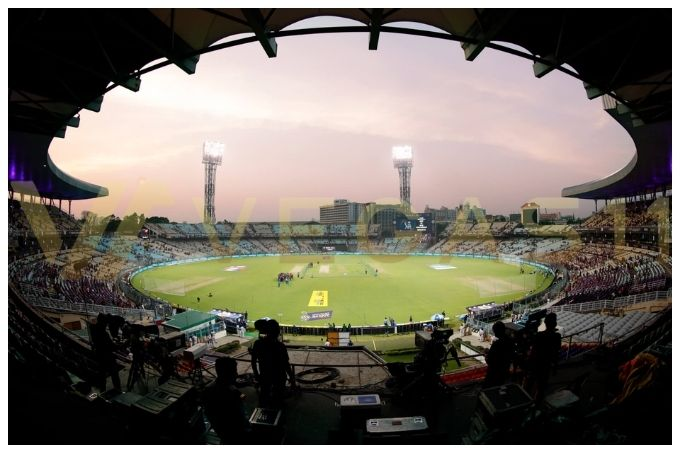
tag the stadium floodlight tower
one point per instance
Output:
(402, 156)
(212, 157)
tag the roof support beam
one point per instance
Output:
(132, 83)
(258, 24)
(224, 15)
(480, 35)
(541, 69)
(376, 21)
(546, 65)
(173, 54)
(95, 105)
(41, 115)
(476, 31)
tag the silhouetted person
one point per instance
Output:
(271, 366)
(543, 357)
(499, 357)
(255, 351)
(115, 324)
(104, 351)
(223, 404)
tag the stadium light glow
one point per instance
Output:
(213, 152)
(402, 153)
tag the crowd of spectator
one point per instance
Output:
(31, 218)
(85, 271)
(601, 271)
(637, 214)
(45, 279)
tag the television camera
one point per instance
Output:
(432, 357)
(423, 374)
(522, 333)
(150, 349)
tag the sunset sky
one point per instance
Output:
(318, 122)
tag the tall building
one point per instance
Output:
(442, 214)
(341, 211)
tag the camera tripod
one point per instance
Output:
(197, 372)
(136, 374)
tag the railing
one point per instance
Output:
(161, 308)
(445, 376)
(609, 304)
(60, 305)
(357, 330)
(480, 324)
(569, 340)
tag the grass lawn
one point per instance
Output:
(357, 289)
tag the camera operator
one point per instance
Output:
(224, 405)
(104, 347)
(543, 357)
(430, 360)
(499, 358)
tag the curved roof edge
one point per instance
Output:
(583, 190)
(649, 170)
(616, 60)
(46, 180)
(93, 190)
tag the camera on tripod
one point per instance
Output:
(522, 334)
(441, 336)
(534, 320)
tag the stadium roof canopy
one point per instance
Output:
(64, 60)
(188, 319)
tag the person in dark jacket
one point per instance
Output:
(223, 404)
(499, 357)
(543, 357)
(271, 366)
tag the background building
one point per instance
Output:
(442, 214)
(470, 213)
(341, 211)
(530, 213)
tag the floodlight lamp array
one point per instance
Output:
(212, 153)
(402, 155)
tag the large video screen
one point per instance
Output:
(421, 223)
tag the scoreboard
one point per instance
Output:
(419, 223)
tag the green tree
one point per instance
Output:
(156, 219)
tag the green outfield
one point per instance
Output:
(358, 289)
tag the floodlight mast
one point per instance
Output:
(212, 157)
(402, 156)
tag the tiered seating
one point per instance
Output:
(52, 280)
(599, 271)
(637, 214)
(31, 218)
(34, 340)
(615, 327)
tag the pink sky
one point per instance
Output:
(318, 122)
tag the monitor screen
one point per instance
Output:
(367, 399)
